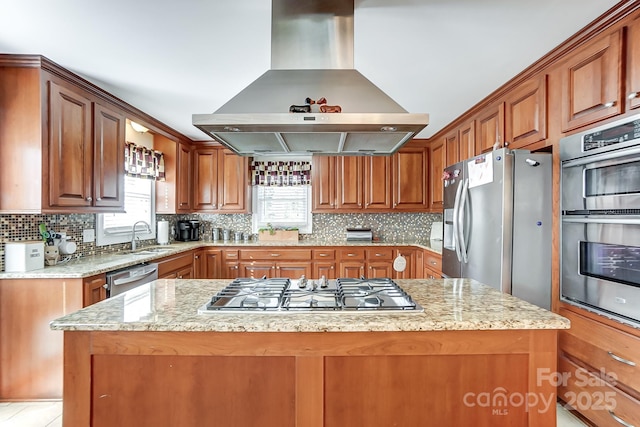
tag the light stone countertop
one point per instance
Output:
(92, 265)
(449, 304)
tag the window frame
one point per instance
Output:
(257, 221)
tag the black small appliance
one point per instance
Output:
(188, 230)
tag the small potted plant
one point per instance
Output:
(270, 233)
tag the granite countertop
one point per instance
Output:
(449, 304)
(92, 265)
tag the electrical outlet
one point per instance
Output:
(88, 235)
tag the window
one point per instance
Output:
(139, 197)
(288, 206)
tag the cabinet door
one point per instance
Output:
(490, 128)
(257, 269)
(591, 80)
(349, 184)
(199, 266)
(212, 264)
(410, 270)
(70, 148)
(451, 148)
(185, 273)
(351, 269)
(108, 162)
(232, 182)
(293, 270)
(166, 191)
(183, 179)
(230, 270)
(410, 179)
(324, 268)
(526, 113)
(633, 64)
(438, 159)
(467, 140)
(205, 179)
(377, 182)
(379, 269)
(323, 183)
(94, 289)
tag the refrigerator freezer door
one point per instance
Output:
(451, 184)
(487, 217)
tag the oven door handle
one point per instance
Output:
(602, 220)
(629, 151)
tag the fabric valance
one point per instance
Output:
(280, 173)
(142, 162)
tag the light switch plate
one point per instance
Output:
(88, 235)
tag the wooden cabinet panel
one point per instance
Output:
(183, 179)
(230, 269)
(94, 289)
(437, 154)
(410, 179)
(212, 264)
(205, 179)
(467, 140)
(323, 182)
(451, 148)
(591, 80)
(324, 268)
(166, 190)
(232, 182)
(275, 254)
(108, 176)
(293, 270)
(377, 182)
(379, 269)
(410, 256)
(379, 254)
(348, 254)
(526, 113)
(168, 267)
(257, 269)
(490, 128)
(633, 64)
(351, 269)
(70, 148)
(349, 184)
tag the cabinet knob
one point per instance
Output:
(331, 268)
(98, 198)
(105, 286)
(89, 198)
(235, 267)
(273, 268)
(359, 205)
(633, 95)
(395, 204)
(609, 104)
(197, 257)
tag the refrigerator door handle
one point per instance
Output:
(456, 231)
(461, 221)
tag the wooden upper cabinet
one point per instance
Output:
(467, 140)
(591, 83)
(205, 179)
(451, 148)
(323, 183)
(108, 176)
(70, 148)
(377, 182)
(349, 183)
(410, 179)
(437, 153)
(183, 179)
(526, 113)
(86, 152)
(166, 191)
(490, 128)
(633, 64)
(233, 180)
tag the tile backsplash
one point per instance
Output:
(396, 227)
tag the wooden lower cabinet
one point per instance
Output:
(94, 289)
(373, 379)
(177, 266)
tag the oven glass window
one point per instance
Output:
(612, 180)
(616, 263)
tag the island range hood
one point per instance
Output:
(311, 59)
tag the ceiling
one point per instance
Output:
(174, 58)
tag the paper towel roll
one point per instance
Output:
(163, 232)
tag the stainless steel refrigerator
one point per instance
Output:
(497, 222)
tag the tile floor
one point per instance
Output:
(49, 414)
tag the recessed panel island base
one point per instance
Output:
(473, 357)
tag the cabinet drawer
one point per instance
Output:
(230, 254)
(595, 398)
(432, 261)
(379, 254)
(351, 253)
(276, 254)
(323, 254)
(168, 265)
(603, 348)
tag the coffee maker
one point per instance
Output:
(188, 230)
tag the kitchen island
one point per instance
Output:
(473, 357)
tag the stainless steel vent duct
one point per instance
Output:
(311, 57)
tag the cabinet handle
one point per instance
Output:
(395, 204)
(89, 198)
(351, 254)
(98, 198)
(619, 420)
(331, 268)
(433, 262)
(277, 267)
(609, 104)
(235, 267)
(273, 268)
(359, 205)
(323, 254)
(370, 268)
(197, 257)
(633, 95)
(275, 254)
(620, 359)
(105, 286)
(379, 254)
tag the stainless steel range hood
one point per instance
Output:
(311, 57)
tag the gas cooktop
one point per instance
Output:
(281, 295)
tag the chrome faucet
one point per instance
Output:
(133, 233)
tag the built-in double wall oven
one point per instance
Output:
(600, 224)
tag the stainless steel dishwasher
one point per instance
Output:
(122, 280)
